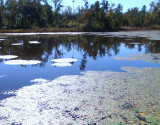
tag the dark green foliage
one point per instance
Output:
(141, 18)
(100, 16)
(1, 17)
(95, 18)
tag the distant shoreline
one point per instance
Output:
(75, 30)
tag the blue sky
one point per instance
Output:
(126, 3)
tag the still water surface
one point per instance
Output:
(94, 53)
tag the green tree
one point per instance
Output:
(2, 13)
(57, 6)
(118, 15)
(156, 14)
(143, 16)
(49, 14)
(86, 4)
(105, 5)
(12, 13)
(133, 16)
(111, 15)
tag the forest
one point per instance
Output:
(98, 16)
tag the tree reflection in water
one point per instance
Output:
(54, 45)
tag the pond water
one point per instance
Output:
(92, 52)
(80, 78)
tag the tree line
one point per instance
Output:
(99, 16)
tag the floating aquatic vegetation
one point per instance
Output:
(128, 39)
(93, 98)
(132, 37)
(22, 62)
(127, 106)
(17, 44)
(9, 92)
(47, 33)
(153, 58)
(152, 35)
(8, 57)
(34, 42)
(39, 80)
(64, 60)
(134, 43)
(61, 64)
(121, 36)
(109, 36)
(2, 39)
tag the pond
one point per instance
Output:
(51, 55)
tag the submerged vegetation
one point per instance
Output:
(98, 16)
